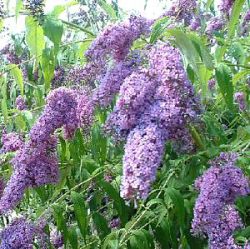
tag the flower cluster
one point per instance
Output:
(246, 23)
(211, 84)
(154, 105)
(20, 103)
(60, 111)
(135, 96)
(10, 55)
(59, 77)
(225, 6)
(143, 153)
(56, 239)
(182, 10)
(2, 12)
(240, 99)
(36, 8)
(215, 24)
(195, 24)
(11, 142)
(36, 163)
(112, 80)
(116, 40)
(214, 213)
(20, 234)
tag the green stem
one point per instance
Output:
(77, 27)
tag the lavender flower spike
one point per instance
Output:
(143, 154)
(219, 186)
(20, 234)
(20, 103)
(240, 99)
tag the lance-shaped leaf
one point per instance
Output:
(224, 79)
(48, 67)
(34, 37)
(80, 213)
(18, 76)
(53, 29)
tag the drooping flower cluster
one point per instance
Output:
(195, 24)
(60, 111)
(214, 213)
(36, 163)
(143, 153)
(112, 80)
(116, 40)
(215, 24)
(240, 99)
(36, 8)
(20, 234)
(20, 103)
(59, 77)
(56, 239)
(225, 6)
(182, 10)
(245, 27)
(10, 55)
(211, 84)
(2, 12)
(154, 105)
(11, 142)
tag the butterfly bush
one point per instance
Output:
(20, 103)
(21, 234)
(135, 95)
(56, 239)
(182, 10)
(11, 142)
(154, 105)
(245, 27)
(240, 99)
(195, 24)
(110, 83)
(36, 163)
(225, 6)
(115, 41)
(218, 187)
(215, 24)
(60, 111)
(143, 154)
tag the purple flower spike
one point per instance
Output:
(214, 214)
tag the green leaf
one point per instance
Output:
(108, 9)
(18, 76)
(202, 49)
(101, 225)
(19, 5)
(178, 202)
(60, 221)
(59, 9)
(73, 240)
(119, 203)
(20, 122)
(4, 109)
(186, 46)
(53, 29)
(48, 67)
(158, 28)
(34, 37)
(224, 79)
(235, 17)
(80, 213)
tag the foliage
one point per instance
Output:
(85, 205)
